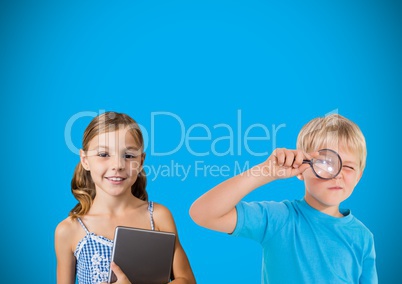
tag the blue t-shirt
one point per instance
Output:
(303, 245)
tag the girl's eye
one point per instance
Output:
(103, 155)
(130, 156)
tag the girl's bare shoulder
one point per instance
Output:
(67, 229)
(161, 209)
(164, 220)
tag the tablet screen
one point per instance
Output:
(145, 256)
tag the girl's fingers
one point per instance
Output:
(121, 277)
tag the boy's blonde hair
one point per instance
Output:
(332, 130)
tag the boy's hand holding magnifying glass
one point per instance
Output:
(286, 163)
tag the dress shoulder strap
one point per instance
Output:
(83, 226)
(151, 214)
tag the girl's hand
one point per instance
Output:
(121, 277)
(286, 163)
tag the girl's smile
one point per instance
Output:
(115, 179)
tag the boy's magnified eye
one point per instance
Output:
(324, 162)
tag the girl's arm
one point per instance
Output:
(216, 208)
(64, 254)
(182, 272)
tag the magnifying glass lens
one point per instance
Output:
(327, 165)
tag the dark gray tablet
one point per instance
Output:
(145, 256)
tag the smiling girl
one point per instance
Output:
(109, 183)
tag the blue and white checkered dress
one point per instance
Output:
(93, 255)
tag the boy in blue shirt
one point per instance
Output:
(310, 240)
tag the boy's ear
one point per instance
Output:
(359, 177)
(83, 160)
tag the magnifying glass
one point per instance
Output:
(327, 165)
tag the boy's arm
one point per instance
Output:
(369, 271)
(216, 208)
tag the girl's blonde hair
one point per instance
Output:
(82, 185)
(333, 130)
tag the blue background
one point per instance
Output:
(272, 62)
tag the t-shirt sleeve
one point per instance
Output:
(260, 220)
(369, 270)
